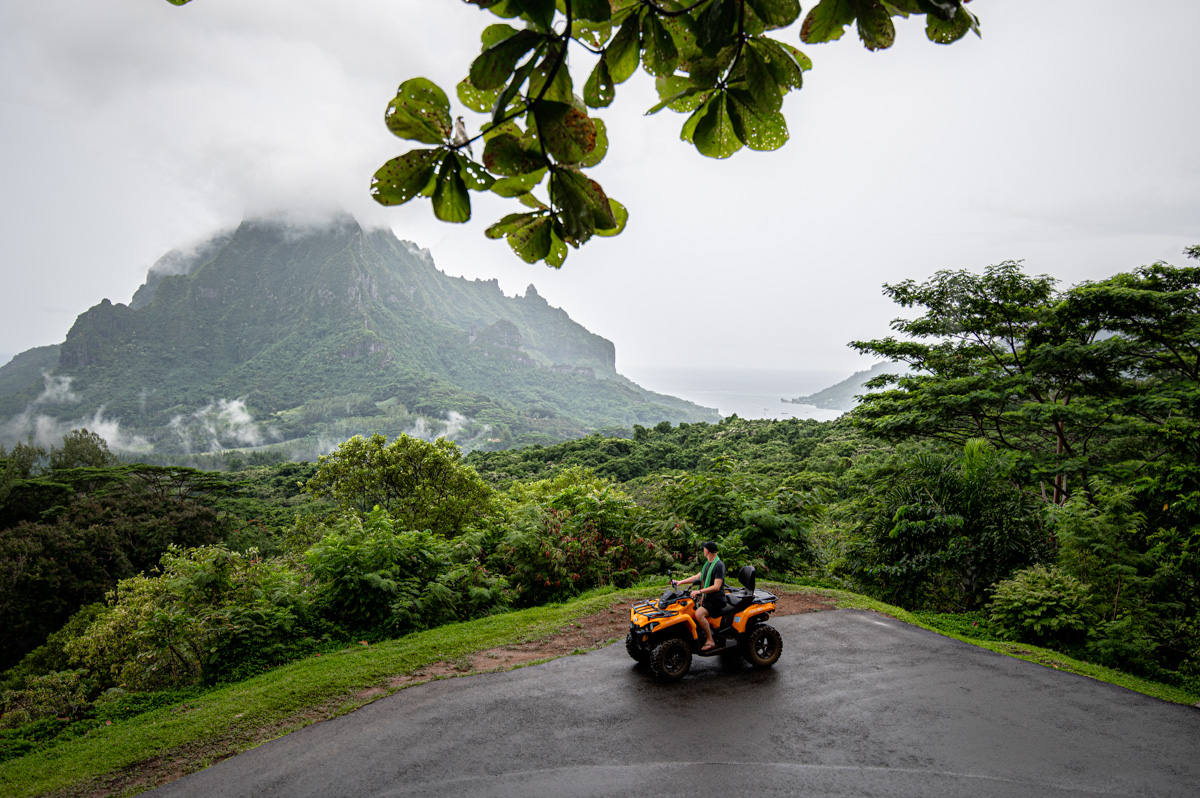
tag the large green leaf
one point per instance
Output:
(518, 185)
(505, 99)
(582, 205)
(594, 10)
(539, 12)
(677, 93)
(404, 177)
(451, 202)
(557, 255)
(620, 215)
(567, 133)
(775, 14)
(755, 127)
(473, 98)
(660, 56)
(787, 64)
(531, 241)
(510, 223)
(949, 32)
(601, 149)
(507, 154)
(493, 67)
(875, 26)
(760, 81)
(713, 133)
(599, 90)
(419, 111)
(717, 25)
(560, 88)
(474, 176)
(623, 52)
(827, 21)
(494, 34)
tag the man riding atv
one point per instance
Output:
(711, 579)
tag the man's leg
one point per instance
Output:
(702, 619)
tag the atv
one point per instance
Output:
(664, 633)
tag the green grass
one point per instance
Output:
(227, 720)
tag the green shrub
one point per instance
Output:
(1040, 605)
(372, 578)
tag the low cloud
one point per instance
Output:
(48, 432)
(223, 424)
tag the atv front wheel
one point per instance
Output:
(634, 650)
(764, 644)
(671, 659)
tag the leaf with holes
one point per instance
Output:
(716, 26)
(567, 133)
(623, 52)
(760, 81)
(531, 241)
(474, 176)
(945, 10)
(560, 88)
(451, 203)
(599, 90)
(787, 64)
(827, 21)
(592, 10)
(943, 32)
(517, 185)
(493, 66)
(775, 14)
(661, 55)
(754, 126)
(875, 26)
(601, 149)
(510, 223)
(677, 93)
(419, 111)
(404, 177)
(505, 100)
(473, 98)
(713, 133)
(507, 155)
(620, 215)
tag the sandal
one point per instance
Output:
(707, 647)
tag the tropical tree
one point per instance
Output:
(421, 485)
(711, 60)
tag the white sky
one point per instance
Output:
(1066, 137)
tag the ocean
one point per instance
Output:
(748, 392)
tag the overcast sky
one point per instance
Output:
(1065, 137)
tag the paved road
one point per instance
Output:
(859, 705)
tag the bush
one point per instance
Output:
(209, 609)
(1041, 605)
(372, 578)
(562, 536)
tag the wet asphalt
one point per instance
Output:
(858, 705)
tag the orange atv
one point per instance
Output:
(664, 634)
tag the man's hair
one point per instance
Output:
(708, 544)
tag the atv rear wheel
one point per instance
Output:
(671, 659)
(764, 644)
(641, 655)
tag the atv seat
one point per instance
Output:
(743, 597)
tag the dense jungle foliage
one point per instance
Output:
(1033, 477)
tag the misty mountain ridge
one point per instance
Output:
(844, 395)
(295, 339)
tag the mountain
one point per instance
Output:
(277, 338)
(842, 396)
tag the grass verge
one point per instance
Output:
(227, 720)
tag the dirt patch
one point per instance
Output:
(583, 634)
